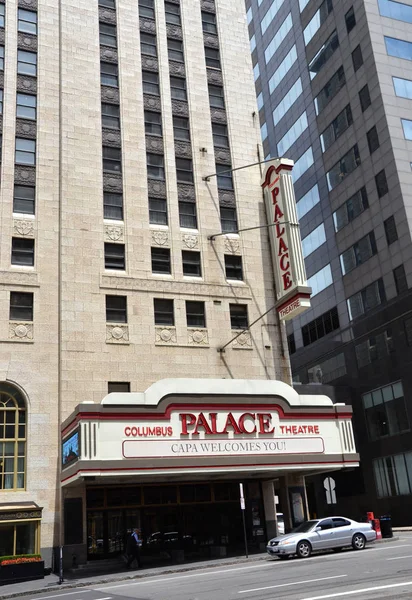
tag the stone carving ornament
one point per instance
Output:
(232, 246)
(21, 331)
(154, 144)
(190, 241)
(117, 334)
(160, 238)
(210, 40)
(222, 156)
(156, 188)
(174, 31)
(177, 68)
(2, 36)
(186, 192)
(108, 54)
(26, 84)
(150, 64)
(208, 6)
(111, 138)
(115, 233)
(152, 102)
(180, 108)
(214, 76)
(24, 174)
(218, 115)
(24, 228)
(107, 16)
(110, 94)
(244, 341)
(227, 198)
(197, 337)
(112, 182)
(147, 25)
(183, 149)
(26, 129)
(25, 41)
(165, 335)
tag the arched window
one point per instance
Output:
(12, 438)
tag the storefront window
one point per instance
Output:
(19, 538)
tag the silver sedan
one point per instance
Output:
(333, 533)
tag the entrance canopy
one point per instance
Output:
(210, 428)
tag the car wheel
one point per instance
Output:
(303, 549)
(358, 541)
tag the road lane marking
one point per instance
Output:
(68, 594)
(400, 557)
(271, 587)
(361, 591)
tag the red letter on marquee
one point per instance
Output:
(282, 262)
(231, 422)
(202, 423)
(242, 424)
(277, 213)
(187, 420)
(265, 422)
(287, 282)
(275, 194)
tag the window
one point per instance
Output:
(395, 10)
(181, 128)
(328, 370)
(220, 135)
(335, 83)
(107, 35)
(150, 83)
(408, 331)
(238, 316)
(326, 524)
(187, 215)
(27, 21)
(163, 312)
(2, 14)
(23, 200)
(303, 163)
(233, 267)
(155, 166)
(317, 20)
(175, 50)
(249, 15)
(112, 159)
(21, 306)
(158, 211)
(191, 263)
(161, 261)
(172, 12)
(152, 123)
(291, 343)
(1, 97)
(146, 9)
(284, 67)
(26, 106)
(107, 3)
(401, 282)
(374, 348)
(398, 48)
(195, 314)
(111, 115)
(290, 137)
(370, 297)
(114, 256)
(116, 309)
(1, 58)
(113, 206)
(393, 475)
(359, 253)
(350, 19)
(320, 280)
(148, 44)
(323, 325)
(354, 206)
(407, 129)
(381, 183)
(22, 252)
(308, 201)
(184, 170)
(109, 74)
(314, 240)
(385, 411)
(364, 98)
(390, 230)
(178, 88)
(373, 139)
(338, 126)
(340, 522)
(25, 152)
(323, 54)
(403, 87)
(264, 131)
(302, 4)
(357, 58)
(270, 14)
(228, 220)
(291, 96)
(118, 386)
(26, 63)
(209, 22)
(348, 163)
(216, 96)
(13, 460)
(224, 177)
(212, 58)
(278, 38)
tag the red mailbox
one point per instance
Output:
(376, 524)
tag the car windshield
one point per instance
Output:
(304, 527)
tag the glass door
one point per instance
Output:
(95, 534)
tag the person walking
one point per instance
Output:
(134, 543)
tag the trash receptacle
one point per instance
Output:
(386, 526)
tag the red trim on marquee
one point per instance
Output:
(276, 169)
(292, 299)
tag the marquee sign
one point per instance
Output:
(292, 291)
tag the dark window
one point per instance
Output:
(339, 522)
(161, 260)
(146, 9)
(22, 252)
(2, 14)
(148, 44)
(150, 83)
(172, 12)
(338, 126)
(1, 96)
(107, 3)
(212, 58)
(381, 183)
(191, 263)
(364, 98)
(209, 22)
(367, 299)
(238, 316)
(25, 152)
(112, 159)
(408, 330)
(153, 123)
(385, 411)
(107, 35)
(27, 21)
(390, 230)
(401, 282)
(181, 128)
(178, 88)
(23, 201)
(111, 115)
(359, 253)
(346, 165)
(21, 306)
(113, 206)
(224, 177)
(1, 58)
(357, 58)
(175, 50)
(155, 166)
(109, 74)
(114, 256)
(195, 314)
(354, 206)
(187, 215)
(323, 54)
(163, 312)
(184, 170)
(373, 139)
(158, 211)
(228, 220)
(216, 96)
(220, 135)
(116, 309)
(318, 328)
(326, 524)
(350, 20)
(118, 386)
(329, 91)
(233, 267)
(26, 106)
(291, 343)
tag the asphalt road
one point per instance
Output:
(379, 571)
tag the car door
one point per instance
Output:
(343, 531)
(325, 535)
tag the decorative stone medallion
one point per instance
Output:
(160, 238)
(197, 337)
(24, 228)
(190, 241)
(165, 335)
(117, 333)
(21, 331)
(232, 246)
(243, 342)
(115, 233)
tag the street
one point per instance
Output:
(379, 571)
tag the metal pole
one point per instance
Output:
(222, 349)
(61, 565)
(215, 235)
(261, 162)
(242, 508)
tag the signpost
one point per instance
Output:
(243, 508)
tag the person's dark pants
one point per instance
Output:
(135, 555)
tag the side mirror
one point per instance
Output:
(318, 528)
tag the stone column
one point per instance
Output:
(269, 505)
